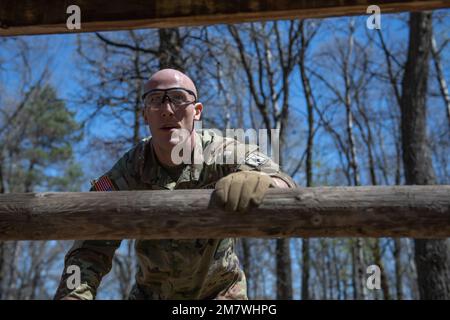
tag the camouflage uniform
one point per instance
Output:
(172, 269)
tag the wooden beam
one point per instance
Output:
(394, 211)
(22, 17)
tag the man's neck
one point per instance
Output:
(164, 155)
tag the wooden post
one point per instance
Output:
(50, 16)
(380, 211)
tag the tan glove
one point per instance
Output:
(239, 190)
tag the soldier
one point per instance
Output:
(178, 269)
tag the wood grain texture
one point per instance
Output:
(380, 211)
(49, 16)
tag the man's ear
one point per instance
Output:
(198, 108)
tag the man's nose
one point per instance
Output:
(166, 108)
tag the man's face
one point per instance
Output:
(168, 121)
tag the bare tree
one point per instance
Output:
(435, 51)
(271, 99)
(431, 256)
(307, 34)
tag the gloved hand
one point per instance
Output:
(237, 190)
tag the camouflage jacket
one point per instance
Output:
(172, 269)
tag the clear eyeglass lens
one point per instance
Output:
(177, 97)
(153, 98)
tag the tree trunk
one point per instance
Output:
(431, 256)
(398, 268)
(284, 276)
(441, 78)
(170, 46)
(307, 91)
(377, 256)
(2, 181)
(359, 292)
(138, 89)
(2, 254)
(357, 251)
(2, 245)
(305, 269)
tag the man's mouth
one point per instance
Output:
(170, 127)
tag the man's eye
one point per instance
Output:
(177, 98)
(154, 98)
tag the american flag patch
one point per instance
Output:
(103, 184)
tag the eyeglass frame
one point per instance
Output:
(166, 95)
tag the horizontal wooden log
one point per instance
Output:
(381, 211)
(49, 16)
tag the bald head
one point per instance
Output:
(169, 78)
